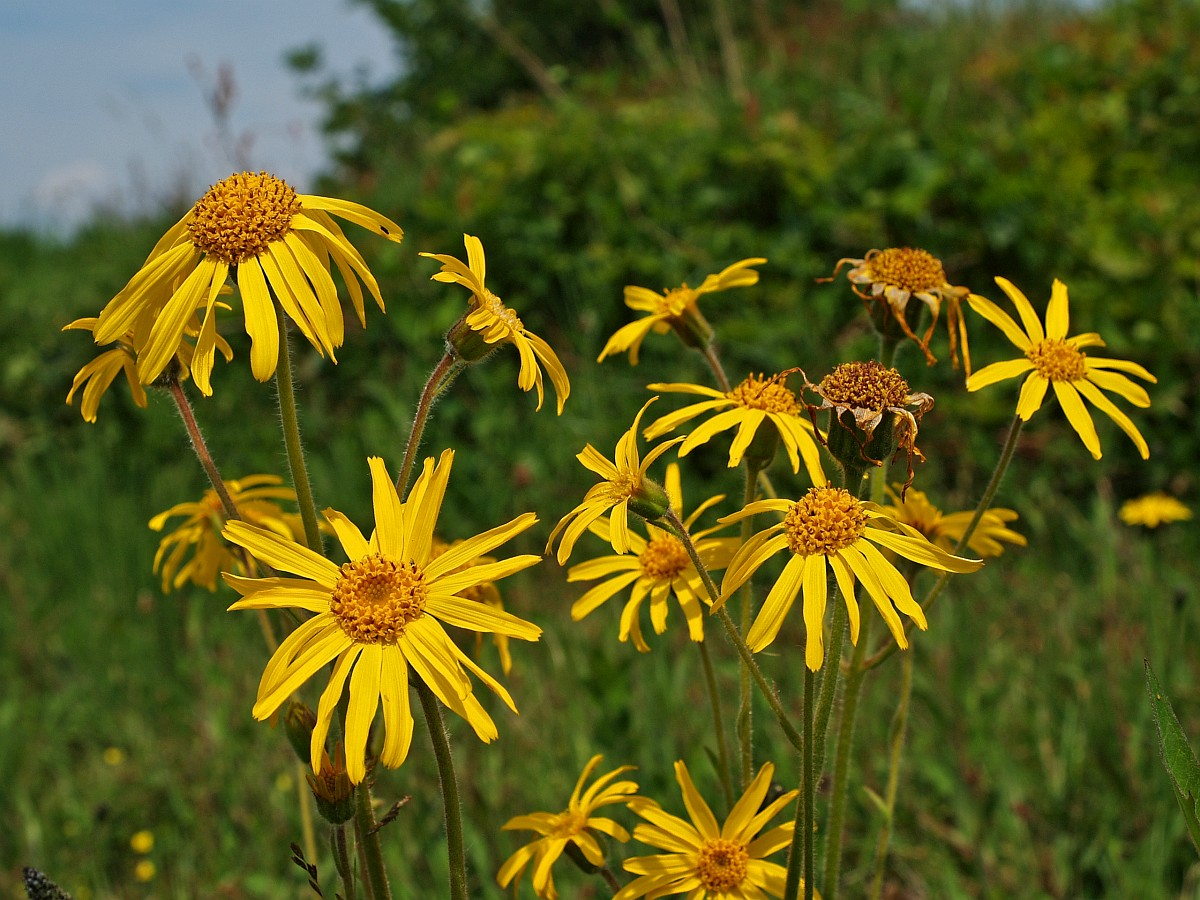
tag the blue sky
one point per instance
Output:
(100, 105)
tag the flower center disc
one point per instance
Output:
(722, 865)
(496, 307)
(907, 268)
(376, 597)
(676, 301)
(767, 394)
(242, 214)
(864, 385)
(1057, 361)
(663, 558)
(568, 824)
(825, 520)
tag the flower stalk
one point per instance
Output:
(290, 422)
(451, 805)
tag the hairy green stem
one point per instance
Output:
(451, 805)
(200, 446)
(899, 730)
(341, 859)
(831, 677)
(800, 854)
(718, 370)
(375, 878)
(439, 379)
(290, 421)
(714, 696)
(745, 715)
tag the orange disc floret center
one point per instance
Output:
(496, 307)
(376, 597)
(676, 301)
(622, 486)
(825, 520)
(767, 394)
(864, 385)
(241, 215)
(663, 558)
(1056, 360)
(723, 864)
(567, 824)
(907, 268)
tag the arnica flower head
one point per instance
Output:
(657, 567)
(568, 829)
(200, 535)
(765, 413)
(829, 528)
(887, 279)
(625, 489)
(1152, 510)
(705, 858)
(676, 309)
(485, 592)
(381, 613)
(1052, 358)
(946, 529)
(279, 246)
(491, 322)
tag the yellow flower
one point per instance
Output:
(895, 275)
(142, 841)
(675, 308)
(751, 404)
(571, 826)
(495, 323)
(487, 593)
(200, 532)
(1152, 510)
(277, 242)
(625, 488)
(828, 528)
(380, 613)
(946, 529)
(656, 568)
(144, 870)
(1052, 358)
(723, 861)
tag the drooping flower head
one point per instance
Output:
(625, 489)
(657, 567)
(568, 830)
(676, 309)
(279, 244)
(380, 614)
(491, 322)
(1153, 509)
(829, 528)
(887, 279)
(946, 529)
(1052, 358)
(705, 858)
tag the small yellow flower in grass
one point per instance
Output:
(487, 593)
(492, 322)
(1052, 358)
(893, 276)
(113, 756)
(568, 830)
(144, 870)
(676, 309)
(381, 613)
(1152, 510)
(142, 841)
(277, 242)
(254, 496)
(625, 489)
(757, 406)
(946, 529)
(828, 528)
(657, 567)
(724, 861)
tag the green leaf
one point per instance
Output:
(1177, 756)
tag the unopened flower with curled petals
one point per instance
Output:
(625, 489)
(380, 614)
(278, 243)
(567, 830)
(1153, 509)
(676, 309)
(912, 508)
(1053, 359)
(829, 528)
(491, 322)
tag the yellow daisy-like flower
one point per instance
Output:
(897, 274)
(946, 529)
(1052, 358)
(199, 534)
(676, 309)
(571, 826)
(485, 592)
(277, 242)
(381, 613)
(493, 322)
(1152, 510)
(625, 488)
(829, 528)
(751, 404)
(724, 861)
(657, 567)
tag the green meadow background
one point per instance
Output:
(591, 148)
